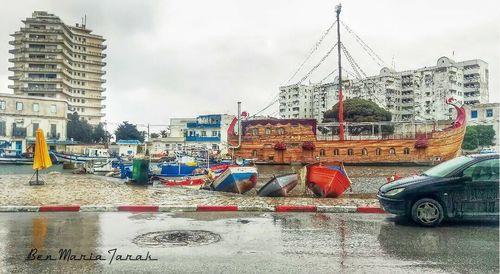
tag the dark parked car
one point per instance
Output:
(462, 188)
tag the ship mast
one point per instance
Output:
(341, 101)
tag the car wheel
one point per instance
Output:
(427, 212)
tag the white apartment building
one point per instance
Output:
(410, 95)
(55, 60)
(21, 116)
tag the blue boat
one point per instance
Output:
(236, 180)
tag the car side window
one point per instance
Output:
(485, 171)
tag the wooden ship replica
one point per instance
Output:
(287, 141)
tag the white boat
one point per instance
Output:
(94, 159)
(236, 180)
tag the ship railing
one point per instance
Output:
(381, 130)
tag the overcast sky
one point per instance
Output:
(184, 58)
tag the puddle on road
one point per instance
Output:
(173, 238)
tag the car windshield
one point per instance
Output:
(445, 168)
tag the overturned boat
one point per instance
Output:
(279, 186)
(327, 180)
(236, 180)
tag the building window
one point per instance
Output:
(322, 152)
(254, 153)
(364, 151)
(53, 131)
(378, 151)
(255, 131)
(35, 127)
(473, 114)
(268, 131)
(350, 152)
(392, 151)
(280, 131)
(36, 107)
(489, 113)
(336, 151)
(2, 105)
(203, 133)
(215, 147)
(19, 106)
(214, 133)
(2, 128)
(406, 150)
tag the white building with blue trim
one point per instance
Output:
(209, 132)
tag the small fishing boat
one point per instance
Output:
(91, 154)
(327, 180)
(279, 186)
(236, 180)
(12, 156)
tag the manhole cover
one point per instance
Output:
(176, 238)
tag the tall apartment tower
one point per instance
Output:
(55, 60)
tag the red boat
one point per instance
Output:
(327, 180)
(195, 182)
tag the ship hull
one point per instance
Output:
(439, 146)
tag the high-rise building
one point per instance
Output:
(409, 95)
(52, 59)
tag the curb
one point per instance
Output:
(208, 208)
(192, 208)
(58, 208)
(370, 210)
(296, 208)
(138, 208)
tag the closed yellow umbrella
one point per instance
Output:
(41, 159)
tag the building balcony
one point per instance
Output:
(202, 139)
(34, 30)
(27, 59)
(53, 136)
(41, 89)
(36, 40)
(41, 79)
(37, 50)
(200, 125)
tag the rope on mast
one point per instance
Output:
(365, 46)
(318, 64)
(329, 74)
(268, 106)
(353, 63)
(314, 48)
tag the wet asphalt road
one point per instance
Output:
(245, 243)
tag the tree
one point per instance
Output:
(154, 135)
(99, 134)
(127, 131)
(164, 134)
(478, 136)
(79, 129)
(360, 110)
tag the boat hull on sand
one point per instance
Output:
(327, 180)
(236, 180)
(279, 186)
